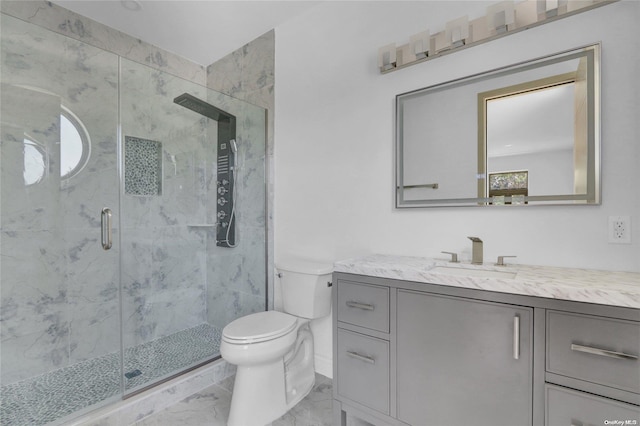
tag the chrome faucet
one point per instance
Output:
(476, 252)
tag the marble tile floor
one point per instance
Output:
(210, 407)
(54, 395)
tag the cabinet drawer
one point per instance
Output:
(595, 349)
(364, 305)
(363, 370)
(566, 407)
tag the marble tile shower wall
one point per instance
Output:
(174, 276)
(55, 18)
(236, 276)
(248, 73)
(50, 238)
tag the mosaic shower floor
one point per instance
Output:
(46, 398)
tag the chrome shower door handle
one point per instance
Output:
(106, 228)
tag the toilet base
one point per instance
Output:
(258, 395)
(263, 393)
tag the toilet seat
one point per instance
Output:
(259, 327)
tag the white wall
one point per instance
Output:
(334, 166)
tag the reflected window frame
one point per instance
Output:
(34, 147)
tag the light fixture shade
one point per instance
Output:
(501, 16)
(526, 13)
(550, 8)
(387, 57)
(457, 31)
(420, 44)
(479, 29)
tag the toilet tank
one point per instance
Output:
(305, 289)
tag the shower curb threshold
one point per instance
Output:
(128, 411)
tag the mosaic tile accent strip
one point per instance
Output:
(142, 166)
(55, 395)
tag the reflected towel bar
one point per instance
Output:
(425, 185)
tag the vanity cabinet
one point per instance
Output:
(463, 361)
(411, 353)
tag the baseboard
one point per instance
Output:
(324, 365)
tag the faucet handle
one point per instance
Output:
(475, 239)
(501, 260)
(454, 256)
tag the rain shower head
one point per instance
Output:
(203, 108)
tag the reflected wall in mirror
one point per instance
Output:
(520, 135)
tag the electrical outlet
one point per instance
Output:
(620, 229)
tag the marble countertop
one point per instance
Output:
(580, 285)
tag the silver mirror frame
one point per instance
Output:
(593, 193)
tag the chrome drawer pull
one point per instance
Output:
(359, 357)
(602, 352)
(359, 305)
(516, 337)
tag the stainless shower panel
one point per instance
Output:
(203, 108)
(226, 163)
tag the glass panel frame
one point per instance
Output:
(412, 191)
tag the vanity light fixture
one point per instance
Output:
(501, 17)
(420, 44)
(387, 57)
(457, 32)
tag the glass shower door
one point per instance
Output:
(83, 130)
(59, 304)
(165, 156)
(180, 288)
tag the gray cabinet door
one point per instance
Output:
(363, 369)
(457, 361)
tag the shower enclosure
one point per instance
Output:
(110, 272)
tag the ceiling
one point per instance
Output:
(202, 31)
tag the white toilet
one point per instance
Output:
(273, 351)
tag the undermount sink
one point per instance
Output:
(468, 272)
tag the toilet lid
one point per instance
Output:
(259, 327)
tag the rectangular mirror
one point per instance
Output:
(522, 135)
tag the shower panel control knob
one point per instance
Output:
(222, 201)
(222, 215)
(222, 190)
